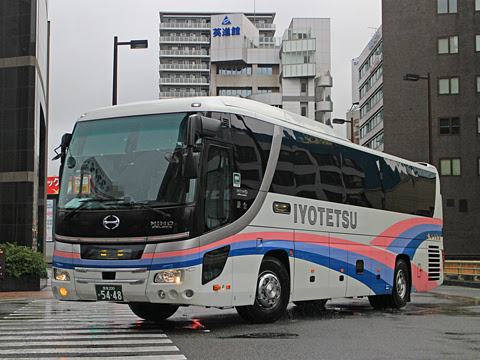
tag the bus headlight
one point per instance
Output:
(61, 275)
(169, 276)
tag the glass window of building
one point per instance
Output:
(477, 42)
(478, 83)
(448, 86)
(450, 167)
(304, 109)
(449, 126)
(446, 6)
(477, 5)
(478, 124)
(448, 45)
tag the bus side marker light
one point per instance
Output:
(378, 270)
(228, 287)
(341, 270)
(216, 287)
(291, 252)
(312, 271)
(63, 291)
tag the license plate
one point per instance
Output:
(109, 292)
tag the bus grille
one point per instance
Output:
(434, 263)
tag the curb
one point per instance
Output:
(463, 283)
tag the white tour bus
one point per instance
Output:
(222, 201)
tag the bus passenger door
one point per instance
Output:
(217, 212)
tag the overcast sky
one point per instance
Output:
(81, 65)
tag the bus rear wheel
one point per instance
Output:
(272, 293)
(152, 311)
(401, 285)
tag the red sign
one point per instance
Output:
(52, 185)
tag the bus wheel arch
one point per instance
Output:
(272, 293)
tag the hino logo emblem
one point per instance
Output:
(111, 222)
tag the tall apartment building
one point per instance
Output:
(439, 43)
(237, 54)
(367, 84)
(24, 39)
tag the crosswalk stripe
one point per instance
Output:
(48, 329)
(91, 342)
(89, 350)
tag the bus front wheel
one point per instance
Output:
(271, 295)
(152, 311)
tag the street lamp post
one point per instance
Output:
(134, 44)
(416, 77)
(343, 121)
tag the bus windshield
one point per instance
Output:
(127, 160)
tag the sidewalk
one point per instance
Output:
(45, 293)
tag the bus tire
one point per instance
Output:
(152, 311)
(271, 295)
(401, 285)
(379, 302)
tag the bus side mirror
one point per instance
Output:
(200, 126)
(65, 143)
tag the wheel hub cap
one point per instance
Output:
(269, 290)
(401, 284)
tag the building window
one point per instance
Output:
(477, 5)
(477, 42)
(303, 86)
(448, 86)
(449, 126)
(478, 83)
(450, 167)
(463, 205)
(304, 109)
(446, 6)
(478, 124)
(478, 166)
(448, 45)
(264, 70)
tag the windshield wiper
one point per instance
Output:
(148, 207)
(87, 201)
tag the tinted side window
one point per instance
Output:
(361, 176)
(252, 140)
(408, 189)
(320, 169)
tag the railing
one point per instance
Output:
(462, 270)
(170, 94)
(184, 67)
(265, 26)
(203, 39)
(184, 81)
(184, 25)
(184, 52)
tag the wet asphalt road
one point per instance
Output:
(443, 324)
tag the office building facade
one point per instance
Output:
(238, 54)
(24, 43)
(367, 85)
(437, 43)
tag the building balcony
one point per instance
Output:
(265, 26)
(184, 81)
(192, 53)
(181, 94)
(191, 25)
(184, 67)
(324, 106)
(185, 39)
(324, 80)
(299, 70)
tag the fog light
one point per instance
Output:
(61, 275)
(169, 277)
(63, 291)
